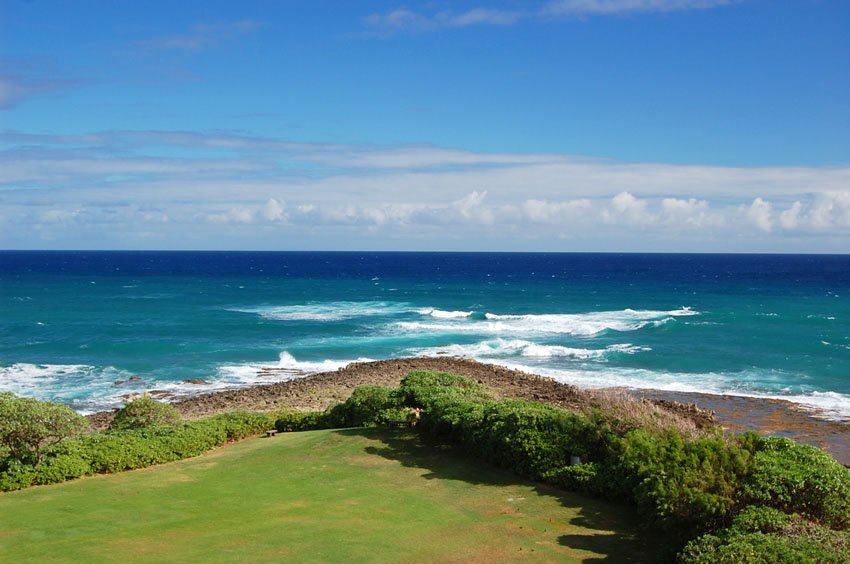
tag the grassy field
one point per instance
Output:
(352, 495)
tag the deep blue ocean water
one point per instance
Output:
(73, 323)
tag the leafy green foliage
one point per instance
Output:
(143, 413)
(364, 407)
(115, 451)
(421, 388)
(686, 486)
(801, 479)
(689, 486)
(764, 534)
(28, 427)
(288, 421)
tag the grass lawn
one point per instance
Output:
(353, 495)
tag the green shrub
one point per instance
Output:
(287, 421)
(802, 479)
(143, 413)
(394, 414)
(764, 534)
(16, 476)
(423, 387)
(29, 427)
(119, 450)
(364, 406)
(760, 519)
(688, 486)
(531, 438)
(578, 478)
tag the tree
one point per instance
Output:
(29, 426)
(145, 412)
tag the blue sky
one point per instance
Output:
(575, 125)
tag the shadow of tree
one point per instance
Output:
(627, 543)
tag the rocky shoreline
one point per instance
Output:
(698, 411)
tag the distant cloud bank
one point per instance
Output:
(120, 189)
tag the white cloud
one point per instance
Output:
(273, 210)
(607, 7)
(790, 218)
(689, 213)
(543, 211)
(830, 210)
(104, 187)
(402, 19)
(626, 209)
(759, 213)
(472, 207)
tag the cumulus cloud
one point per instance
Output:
(106, 186)
(689, 213)
(790, 218)
(759, 213)
(543, 211)
(626, 209)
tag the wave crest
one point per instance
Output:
(574, 324)
(324, 311)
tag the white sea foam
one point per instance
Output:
(576, 324)
(324, 311)
(286, 368)
(822, 404)
(518, 347)
(441, 314)
(83, 387)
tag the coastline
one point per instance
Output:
(314, 392)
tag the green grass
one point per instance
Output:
(351, 495)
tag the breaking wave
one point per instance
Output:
(574, 324)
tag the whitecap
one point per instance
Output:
(286, 368)
(85, 388)
(324, 311)
(518, 347)
(575, 324)
(828, 405)
(442, 314)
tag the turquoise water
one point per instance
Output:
(74, 323)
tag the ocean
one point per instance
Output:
(76, 326)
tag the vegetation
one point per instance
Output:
(361, 495)
(145, 413)
(28, 428)
(745, 498)
(115, 451)
(700, 490)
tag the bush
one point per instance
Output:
(764, 534)
(803, 479)
(364, 406)
(28, 427)
(287, 421)
(144, 413)
(115, 451)
(423, 387)
(394, 414)
(688, 486)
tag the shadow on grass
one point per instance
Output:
(627, 542)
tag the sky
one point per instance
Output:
(550, 125)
